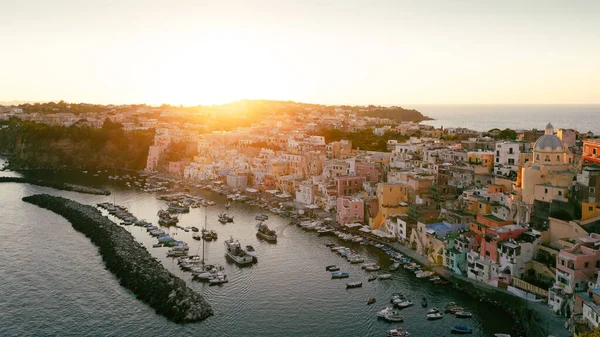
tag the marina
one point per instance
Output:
(274, 277)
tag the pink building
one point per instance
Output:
(493, 236)
(371, 171)
(350, 210)
(177, 167)
(576, 265)
(349, 185)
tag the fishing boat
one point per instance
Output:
(461, 329)
(350, 285)
(206, 235)
(340, 275)
(463, 314)
(234, 250)
(371, 300)
(501, 335)
(224, 218)
(265, 233)
(386, 311)
(435, 316)
(424, 274)
(166, 219)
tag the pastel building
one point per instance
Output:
(577, 265)
(349, 185)
(350, 210)
(455, 252)
(591, 151)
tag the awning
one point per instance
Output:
(382, 234)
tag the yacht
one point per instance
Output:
(234, 250)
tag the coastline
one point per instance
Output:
(131, 263)
(58, 186)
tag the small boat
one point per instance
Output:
(434, 316)
(340, 275)
(394, 318)
(332, 267)
(371, 300)
(501, 335)
(395, 266)
(453, 310)
(435, 279)
(424, 302)
(403, 304)
(424, 274)
(463, 314)
(156, 245)
(386, 311)
(461, 329)
(372, 278)
(218, 278)
(350, 285)
(250, 250)
(265, 233)
(384, 276)
(194, 229)
(261, 217)
(397, 332)
(433, 310)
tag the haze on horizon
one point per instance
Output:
(330, 52)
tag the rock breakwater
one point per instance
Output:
(58, 186)
(131, 263)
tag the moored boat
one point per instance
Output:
(332, 267)
(434, 316)
(250, 250)
(394, 317)
(403, 304)
(372, 278)
(463, 314)
(386, 311)
(397, 332)
(340, 275)
(265, 233)
(384, 276)
(234, 250)
(433, 310)
(371, 300)
(461, 329)
(357, 284)
(395, 266)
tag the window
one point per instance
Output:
(558, 158)
(591, 208)
(592, 190)
(511, 161)
(497, 160)
(537, 157)
(497, 153)
(559, 193)
(510, 151)
(586, 265)
(594, 151)
(546, 190)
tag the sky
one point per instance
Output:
(319, 51)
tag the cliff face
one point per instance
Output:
(40, 146)
(131, 263)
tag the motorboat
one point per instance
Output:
(332, 267)
(218, 278)
(424, 274)
(265, 233)
(353, 285)
(384, 276)
(194, 229)
(461, 329)
(371, 300)
(433, 310)
(501, 335)
(196, 236)
(372, 278)
(397, 332)
(206, 235)
(395, 266)
(394, 317)
(224, 218)
(261, 217)
(340, 275)
(404, 304)
(374, 267)
(234, 250)
(454, 310)
(435, 316)
(463, 314)
(386, 311)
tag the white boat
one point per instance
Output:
(433, 310)
(250, 250)
(386, 311)
(394, 317)
(434, 316)
(397, 332)
(218, 278)
(395, 266)
(234, 250)
(501, 335)
(404, 304)
(424, 274)
(463, 314)
(384, 276)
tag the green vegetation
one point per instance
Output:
(506, 134)
(363, 139)
(40, 146)
(396, 113)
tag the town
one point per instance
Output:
(518, 210)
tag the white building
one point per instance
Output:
(506, 158)
(396, 227)
(306, 192)
(591, 314)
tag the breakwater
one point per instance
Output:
(58, 186)
(131, 263)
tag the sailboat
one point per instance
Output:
(208, 272)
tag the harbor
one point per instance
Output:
(289, 276)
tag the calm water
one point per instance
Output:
(54, 281)
(582, 117)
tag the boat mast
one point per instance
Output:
(205, 216)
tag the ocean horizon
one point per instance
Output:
(483, 117)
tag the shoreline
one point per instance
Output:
(129, 262)
(58, 186)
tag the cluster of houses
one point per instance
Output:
(521, 215)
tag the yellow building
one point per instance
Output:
(483, 158)
(550, 172)
(391, 199)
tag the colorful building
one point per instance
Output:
(350, 210)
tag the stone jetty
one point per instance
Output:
(58, 186)
(130, 262)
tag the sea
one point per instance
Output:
(54, 282)
(581, 117)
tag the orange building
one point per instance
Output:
(591, 151)
(482, 222)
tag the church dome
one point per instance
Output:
(549, 143)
